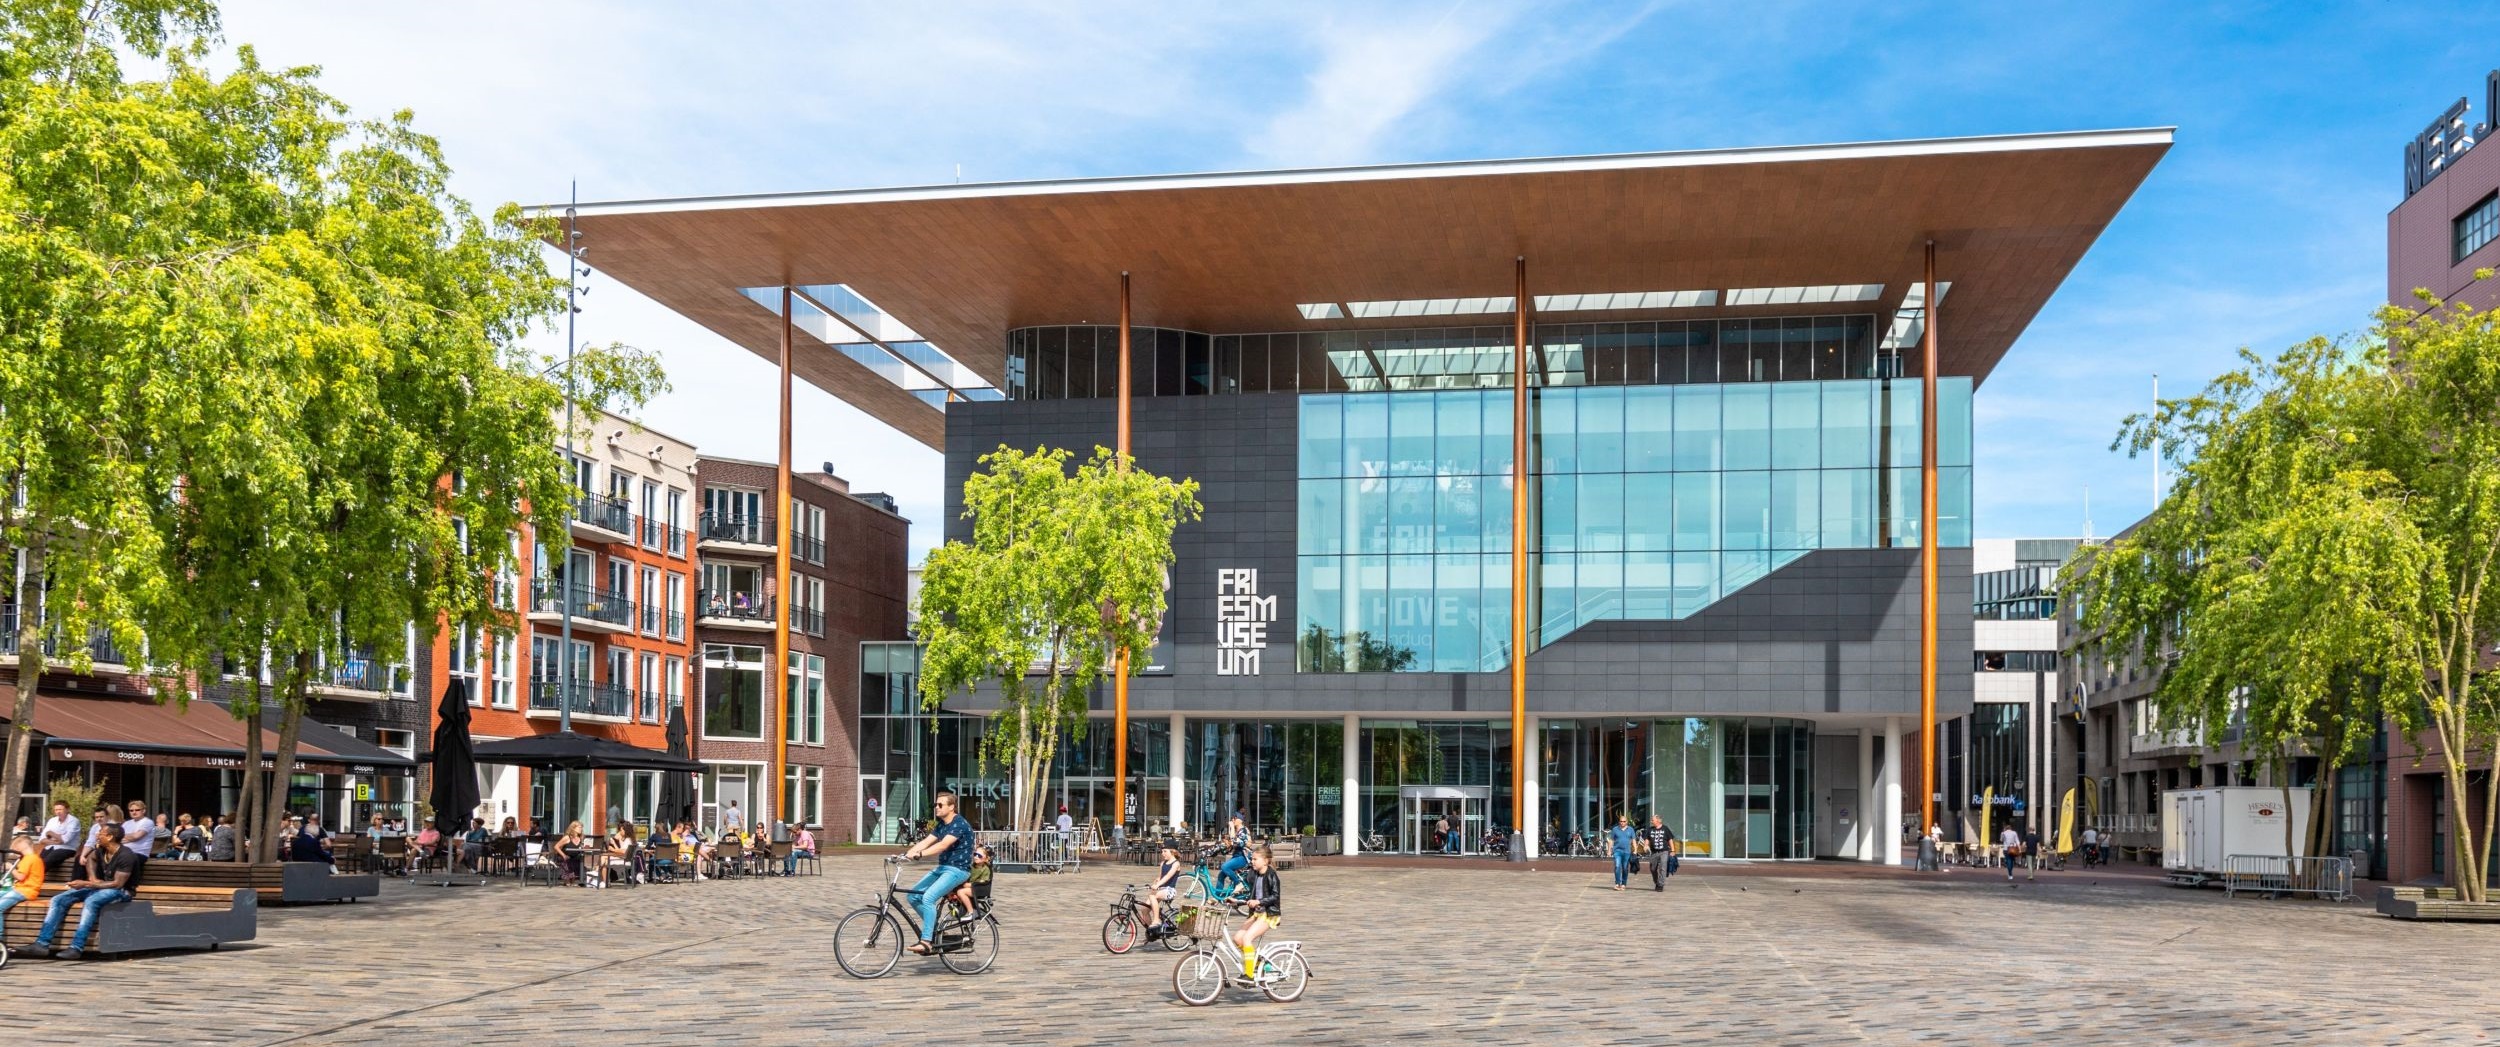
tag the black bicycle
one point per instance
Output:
(1128, 923)
(869, 941)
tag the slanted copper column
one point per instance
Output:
(1119, 665)
(1927, 587)
(1519, 740)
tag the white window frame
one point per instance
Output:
(647, 695)
(729, 659)
(507, 671)
(677, 521)
(650, 506)
(647, 605)
(675, 624)
(676, 683)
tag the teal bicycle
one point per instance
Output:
(1198, 886)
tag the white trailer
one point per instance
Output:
(2200, 828)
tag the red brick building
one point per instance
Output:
(847, 585)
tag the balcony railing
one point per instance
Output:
(589, 699)
(729, 527)
(607, 514)
(99, 646)
(808, 547)
(807, 620)
(742, 606)
(676, 541)
(651, 616)
(598, 605)
(676, 626)
(360, 671)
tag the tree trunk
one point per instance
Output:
(14, 762)
(290, 730)
(252, 841)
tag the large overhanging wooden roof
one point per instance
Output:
(963, 264)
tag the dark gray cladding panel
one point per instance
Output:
(1834, 632)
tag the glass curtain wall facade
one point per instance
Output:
(1283, 776)
(1729, 787)
(1651, 502)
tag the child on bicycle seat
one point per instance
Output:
(1266, 906)
(980, 875)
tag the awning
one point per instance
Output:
(572, 751)
(203, 734)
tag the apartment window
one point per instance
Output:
(2477, 226)
(676, 606)
(507, 672)
(650, 514)
(465, 662)
(583, 471)
(508, 578)
(647, 697)
(733, 691)
(732, 514)
(803, 793)
(807, 532)
(403, 671)
(676, 684)
(621, 578)
(676, 522)
(620, 486)
(803, 716)
(652, 610)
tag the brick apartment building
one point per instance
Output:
(847, 585)
(626, 583)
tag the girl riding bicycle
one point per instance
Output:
(1165, 888)
(1265, 907)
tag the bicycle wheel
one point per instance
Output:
(1287, 976)
(1119, 933)
(867, 943)
(1199, 978)
(969, 949)
(1178, 942)
(1193, 891)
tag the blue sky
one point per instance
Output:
(2266, 224)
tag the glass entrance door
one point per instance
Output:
(872, 823)
(1425, 809)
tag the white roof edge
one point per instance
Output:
(1386, 172)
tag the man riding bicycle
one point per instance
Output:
(951, 842)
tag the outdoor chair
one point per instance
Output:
(503, 855)
(535, 861)
(778, 859)
(619, 871)
(728, 859)
(812, 864)
(394, 855)
(661, 862)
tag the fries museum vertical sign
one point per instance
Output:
(1241, 620)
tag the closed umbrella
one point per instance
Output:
(677, 787)
(454, 795)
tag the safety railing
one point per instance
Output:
(2275, 875)
(1044, 850)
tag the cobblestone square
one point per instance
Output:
(1792, 954)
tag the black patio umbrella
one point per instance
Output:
(676, 799)
(573, 751)
(454, 795)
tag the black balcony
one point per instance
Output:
(598, 605)
(359, 670)
(735, 606)
(807, 620)
(588, 699)
(613, 515)
(808, 548)
(740, 529)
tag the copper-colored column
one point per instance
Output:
(1519, 740)
(781, 583)
(1119, 662)
(1928, 594)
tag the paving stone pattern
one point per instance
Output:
(1401, 955)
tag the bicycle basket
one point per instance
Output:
(1201, 924)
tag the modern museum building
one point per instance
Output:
(1702, 549)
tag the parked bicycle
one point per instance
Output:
(869, 941)
(1278, 970)
(1128, 923)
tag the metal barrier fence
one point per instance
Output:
(2323, 877)
(1046, 850)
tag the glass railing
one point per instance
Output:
(728, 527)
(606, 514)
(598, 605)
(753, 607)
(588, 699)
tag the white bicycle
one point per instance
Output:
(1202, 975)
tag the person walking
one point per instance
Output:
(2031, 853)
(2010, 844)
(1621, 836)
(1661, 841)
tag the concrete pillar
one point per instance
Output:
(1865, 843)
(1350, 800)
(1533, 829)
(1179, 767)
(1885, 826)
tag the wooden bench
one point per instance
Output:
(166, 916)
(1288, 853)
(278, 883)
(2434, 903)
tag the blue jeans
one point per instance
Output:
(932, 889)
(790, 862)
(1449, 842)
(1623, 867)
(95, 897)
(9, 899)
(1229, 877)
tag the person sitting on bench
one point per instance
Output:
(111, 873)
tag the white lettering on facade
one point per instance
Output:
(1241, 620)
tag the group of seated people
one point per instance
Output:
(150, 836)
(625, 853)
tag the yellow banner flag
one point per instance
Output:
(2066, 824)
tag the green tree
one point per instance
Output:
(307, 381)
(1062, 570)
(2321, 562)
